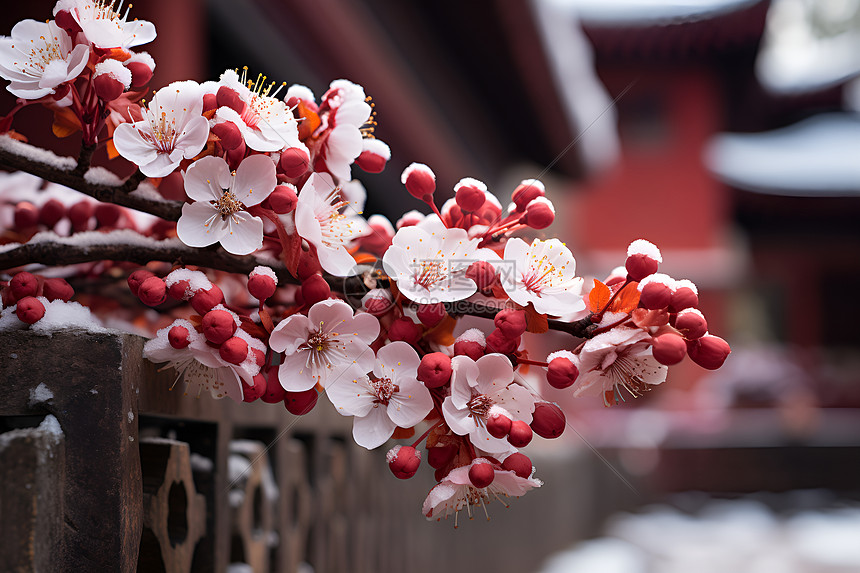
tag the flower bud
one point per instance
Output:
(420, 181)
(308, 265)
(30, 310)
(253, 392)
(709, 351)
(562, 370)
(315, 289)
(300, 403)
(136, 278)
(481, 473)
(655, 292)
(403, 461)
(24, 284)
(79, 215)
(548, 420)
(518, 463)
(141, 65)
(228, 97)
(643, 259)
(26, 215)
(110, 79)
(234, 350)
(294, 162)
(259, 356)
(511, 322)
(471, 343)
(498, 425)
(691, 323)
(205, 300)
(210, 102)
(539, 214)
(51, 213)
(234, 157)
(178, 337)
(483, 273)
(431, 314)
(152, 291)
(668, 348)
(107, 214)
(470, 194)
(498, 342)
(57, 289)
(374, 155)
(685, 295)
(377, 302)
(435, 370)
(283, 199)
(526, 192)
(218, 325)
(520, 434)
(404, 329)
(274, 391)
(229, 134)
(440, 456)
(262, 283)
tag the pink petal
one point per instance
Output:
(255, 180)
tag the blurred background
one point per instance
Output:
(724, 131)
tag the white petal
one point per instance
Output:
(244, 234)
(255, 179)
(206, 179)
(372, 430)
(294, 374)
(351, 395)
(200, 225)
(290, 334)
(411, 404)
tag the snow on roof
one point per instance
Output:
(817, 157)
(648, 12)
(809, 46)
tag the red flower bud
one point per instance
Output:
(435, 369)
(30, 310)
(440, 456)
(643, 258)
(227, 97)
(483, 273)
(294, 162)
(315, 289)
(26, 215)
(300, 403)
(498, 425)
(709, 351)
(234, 350)
(274, 391)
(229, 134)
(178, 337)
(691, 323)
(471, 343)
(204, 300)
(684, 296)
(107, 87)
(218, 326)
(283, 199)
(79, 215)
(24, 284)
(136, 278)
(498, 342)
(107, 214)
(57, 289)
(539, 213)
(374, 155)
(548, 420)
(520, 434)
(511, 322)
(261, 285)
(67, 22)
(51, 213)
(470, 194)
(252, 393)
(655, 295)
(518, 463)
(420, 181)
(403, 461)
(431, 314)
(141, 74)
(404, 329)
(561, 372)
(526, 192)
(481, 474)
(152, 291)
(669, 349)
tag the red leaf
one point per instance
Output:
(598, 297)
(535, 321)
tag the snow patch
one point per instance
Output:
(40, 394)
(265, 271)
(473, 335)
(101, 176)
(37, 154)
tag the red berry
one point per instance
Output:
(30, 310)
(481, 474)
(152, 291)
(435, 369)
(548, 420)
(300, 403)
(520, 434)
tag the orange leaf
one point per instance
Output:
(598, 297)
(365, 258)
(309, 121)
(442, 333)
(111, 150)
(65, 122)
(535, 321)
(266, 320)
(627, 299)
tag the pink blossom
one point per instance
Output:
(105, 26)
(545, 275)
(349, 112)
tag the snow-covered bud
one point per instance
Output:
(470, 194)
(218, 325)
(511, 322)
(227, 97)
(283, 199)
(684, 295)
(518, 463)
(483, 273)
(253, 392)
(178, 337)
(520, 434)
(668, 348)
(431, 314)
(30, 310)
(498, 342)
(57, 289)
(315, 289)
(141, 65)
(205, 300)
(643, 258)
(229, 134)
(420, 181)
(403, 461)
(262, 282)
(377, 302)
(655, 291)
(539, 214)
(481, 473)
(435, 370)
(300, 403)
(709, 351)
(152, 291)
(111, 79)
(440, 456)
(498, 425)
(294, 162)
(24, 284)
(562, 370)
(374, 155)
(26, 215)
(404, 329)
(692, 324)
(471, 343)
(51, 213)
(526, 191)
(234, 350)
(136, 278)
(548, 420)
(79, 215)
(107, 214)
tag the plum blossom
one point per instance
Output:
(38, 58)
(545, 275)
(221, 199)
(456, 492)
(172, 128)
(327, 344)
(320, 220)
(429, 262)
(266, 123)
(199, 364)
(391, 397)
(481, 388)
(349, 111)
(105, 26)
(619, 358)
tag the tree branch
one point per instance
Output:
(581, 328)
(16, 155)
